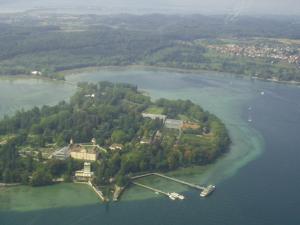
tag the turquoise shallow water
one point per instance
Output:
(26, 198)
(250, 192)
(16, 94)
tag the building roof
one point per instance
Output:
(91, 149)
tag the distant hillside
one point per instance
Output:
(51, 43)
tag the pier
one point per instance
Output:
(181, 181)
(205, 191)
(98, 192)
(95, 189)
(170, 178)
(173, 195)
(151, 189)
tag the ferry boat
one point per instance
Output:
(208, 190)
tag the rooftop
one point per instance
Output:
(88, 148)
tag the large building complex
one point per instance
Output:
(84, 152)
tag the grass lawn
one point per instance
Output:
(154, 110)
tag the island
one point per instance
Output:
(105, 135)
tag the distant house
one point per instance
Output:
(154, 116)
(116, 147)
(173, 124)
(86, 174)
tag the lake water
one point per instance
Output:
(257, 182)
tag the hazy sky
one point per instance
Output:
(287, 7)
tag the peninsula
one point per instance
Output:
(107, 134)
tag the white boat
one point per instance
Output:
(181, 197)
(249, 118)
(178, 196)
(172, 197)
(208, 190)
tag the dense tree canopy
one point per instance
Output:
(112, 114)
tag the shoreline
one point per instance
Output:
(297, 83)
(71, 72)
(27, 77)
(171, 69)
(146, 67)
(9, 184)
(190, 174)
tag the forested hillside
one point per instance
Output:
(53, 43)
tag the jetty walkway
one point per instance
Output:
(151, 188)
(170, 178)
(204, 191)
(95, 189)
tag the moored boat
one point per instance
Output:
(207, 191)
